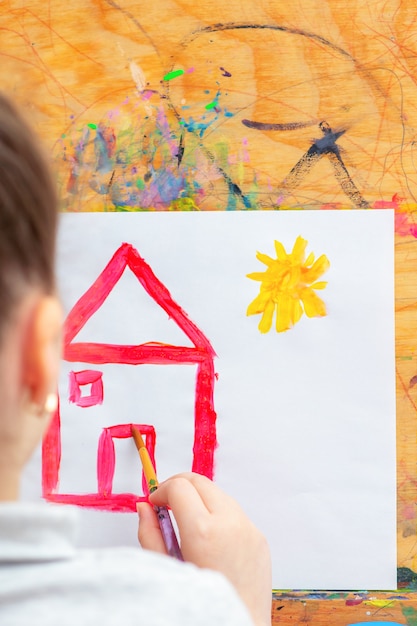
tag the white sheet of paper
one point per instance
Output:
(306, 418)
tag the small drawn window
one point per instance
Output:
(86, 388)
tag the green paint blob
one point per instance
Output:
(173, 74)
(410, 615)
(140, 184)
(211, 105)
(93, 126)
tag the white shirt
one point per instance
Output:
(45, 580)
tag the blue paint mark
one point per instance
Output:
(231, 202)
(168, 185)
(104, 162)
(375, 624)
(197, 127)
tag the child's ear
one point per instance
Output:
(42, 350)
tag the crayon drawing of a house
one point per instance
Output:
(199, 353)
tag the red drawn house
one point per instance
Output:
(200, 354)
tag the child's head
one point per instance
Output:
(30, 314)
(28, 213)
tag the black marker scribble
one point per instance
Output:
(269, 126)
(325, 146)
(180, 152)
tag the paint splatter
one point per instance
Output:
(173, 74)
(225, 72)
(212, 105)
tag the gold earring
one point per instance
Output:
(51, 403)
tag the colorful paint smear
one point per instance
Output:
(142, 156)
(288, 287)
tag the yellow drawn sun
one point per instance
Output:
(288, 287)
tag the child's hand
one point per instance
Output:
(216, 534)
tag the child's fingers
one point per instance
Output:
(205, 496)
(185, 502)
(149, 533)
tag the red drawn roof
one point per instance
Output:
(155, 353)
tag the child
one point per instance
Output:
(44, 579)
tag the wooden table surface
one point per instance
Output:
(245, 104)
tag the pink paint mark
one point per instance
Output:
(166, 131)
(201, 354)
(205, 441)
(403, 226)
(245, 153)
(147, 94)
(113, 114)
(383, 204)
(106, 457)
(408, 511)
(403, 220)
(190, 70)
(106, 463)
(86, 377)
(331, 206)
(133, 355)
(118, 502)
(354, 601)
(51, 455)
